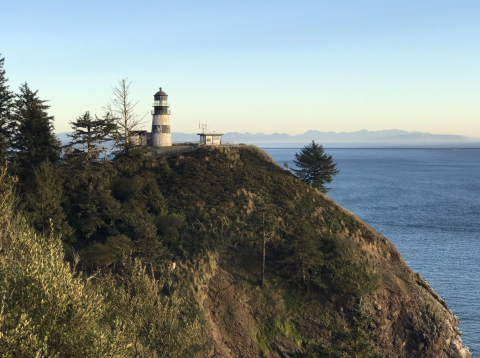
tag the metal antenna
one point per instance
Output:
(202, 126)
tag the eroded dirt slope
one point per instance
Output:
(409, 318)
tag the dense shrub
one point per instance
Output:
(48, 310)
(136, 215)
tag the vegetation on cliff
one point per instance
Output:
(218, 253)
(122, 234)
(315, 167)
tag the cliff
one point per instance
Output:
(358, 264)
(168, 262)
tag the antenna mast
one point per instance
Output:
(202, 126)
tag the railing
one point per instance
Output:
(161, 104)
(168, 112)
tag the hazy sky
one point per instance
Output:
(255, 66)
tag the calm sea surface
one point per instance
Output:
(427, 203)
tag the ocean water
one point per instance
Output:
(427, 203)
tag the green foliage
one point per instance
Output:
(46, 310)
(351, 277)
(267, 331)
(49, 311)
(135, 215)
(91, 208)
(44, 209)
(267, 224)
(154, 324)
(304, 261)
(344, 271)
(154, 198)
(89, 133)
(7, 199)
(33, 140)
(354, 343)
(6, 105)
(315, 166)
(110, 254)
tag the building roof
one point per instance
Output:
(160, 93)
(210, 133)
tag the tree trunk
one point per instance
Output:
(126, 114)
(153, 272)
(88, 141)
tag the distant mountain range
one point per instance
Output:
(364, 137)
(392, 136)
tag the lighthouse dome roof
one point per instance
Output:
(160, 93)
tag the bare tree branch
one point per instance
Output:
(122, 108)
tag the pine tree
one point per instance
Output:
(315, 166)
(82, 159)
(44, 204)
(304, 259)
(153, 197)
(90, 133)
(33, 140)
(6, 104)
(84, 135)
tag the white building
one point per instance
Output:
(210, 138)
(161, 135)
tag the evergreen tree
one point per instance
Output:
(90, 133)
(84, 135)
(44, 203)
(33, 140)
(304, 258)
(91, 206)
(154, 199)
(315, 166)
(6, 104)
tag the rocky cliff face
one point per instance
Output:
(321, 264)
(408, 319)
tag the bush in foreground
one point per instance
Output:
(48, 310)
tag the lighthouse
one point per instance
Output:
(161, 136)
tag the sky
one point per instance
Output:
(255, 66)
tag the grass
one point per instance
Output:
(267, 331)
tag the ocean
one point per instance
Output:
(427, 203)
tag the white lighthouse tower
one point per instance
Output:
(161, 136)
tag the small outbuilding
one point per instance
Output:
(139, 138)
(210, 138)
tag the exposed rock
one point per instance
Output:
(409, 319)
